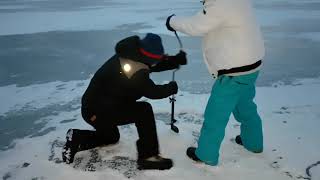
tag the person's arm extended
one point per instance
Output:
(171, 62)
(164, 66)
(151, 90)
(199, 24)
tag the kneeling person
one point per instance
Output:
(111, 100)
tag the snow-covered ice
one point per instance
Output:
(290, 117)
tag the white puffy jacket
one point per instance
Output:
(231, 35)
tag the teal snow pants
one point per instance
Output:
(230, 95)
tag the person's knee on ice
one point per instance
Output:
(115, 139)
(78, 140)
(108, 136)
(147, 106)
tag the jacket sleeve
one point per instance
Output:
(199, 24)
(147, 88)
(165, 65)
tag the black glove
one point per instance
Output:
(181, 58)
(173, 87)
(168, 23)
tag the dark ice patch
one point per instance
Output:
(61, 87)
(38, 178)
(125, 165)
(95, 159)
(283, 110)
(191, 118)
(28, 120)
(275, 165)
(133, 26)
(24, 165)
(165, 117)
(67, 121)
(81, 84)
(196, 135)
(6, 176)
(91, 160)
(57, 5)
(183, 117)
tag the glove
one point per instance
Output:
(168, 23)
(181, 58)
(173, 86)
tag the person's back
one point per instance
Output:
(109, 86)
(230, 34)
(237, 41)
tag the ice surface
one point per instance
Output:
(290, 116)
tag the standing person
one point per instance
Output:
(233, 50)
(111, 100)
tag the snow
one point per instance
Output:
(290, 117)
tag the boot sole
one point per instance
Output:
(154, 166)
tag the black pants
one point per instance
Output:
(107, 120)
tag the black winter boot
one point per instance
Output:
(239, 140)
(191, 153)
(154, 162)
(71, 147)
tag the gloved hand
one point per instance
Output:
(168, 23)
(173, 87)
(181, 58)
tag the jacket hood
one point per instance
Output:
(129, 48)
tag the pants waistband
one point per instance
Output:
(240, 69)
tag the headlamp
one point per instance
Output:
(126, 67)
(130, 67)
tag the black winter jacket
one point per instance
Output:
(110, 87)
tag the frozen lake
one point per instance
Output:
(50, 48)
(44, 41)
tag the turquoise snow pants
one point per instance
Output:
(230, 95)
